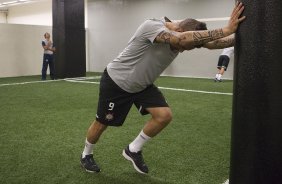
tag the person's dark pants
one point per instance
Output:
(48, 60)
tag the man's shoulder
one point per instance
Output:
(149, 29)
(154, 21)
(153, 24)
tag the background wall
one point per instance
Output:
(33, 14)
(20, 39)
(2, 16)
(111, 23)
(109, 26)
(21, 50)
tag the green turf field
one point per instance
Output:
(43, 127)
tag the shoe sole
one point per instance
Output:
(88, 170)
(130, 159)
(217, 80)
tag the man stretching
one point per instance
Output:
(129, 79)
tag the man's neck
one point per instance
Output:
(171, 26)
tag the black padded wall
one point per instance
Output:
(69, 38)
(256, 142)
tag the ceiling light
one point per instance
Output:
(9, 2)
(12, 3)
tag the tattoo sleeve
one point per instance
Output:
(202, 37)
(165, 37)
(171, 38)
(168, 37)
(223, 43)
(190, 39)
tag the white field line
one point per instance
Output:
(82, 80)
(79, 81)
(196, 91)
(31, 82)
(226, 182)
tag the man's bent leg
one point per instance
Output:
(222, 70)
(94, 132)
(161, 116)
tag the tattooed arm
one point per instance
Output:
(191, 39)
(221, 43)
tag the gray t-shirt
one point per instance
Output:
(228, 51)
(142, 61)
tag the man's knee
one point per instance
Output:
(100, 127)
(163, 116)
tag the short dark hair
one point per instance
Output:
(192, 25)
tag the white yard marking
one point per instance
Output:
(80, 81)
(41, 81)
(31, 82)
(196, 91)
(84, 80)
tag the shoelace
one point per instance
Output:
(139, 157)
(91, 160)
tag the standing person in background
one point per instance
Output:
(48, 58)
(223, 62)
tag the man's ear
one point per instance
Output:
(179, 30)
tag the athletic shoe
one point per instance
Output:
(217, 80)
(136, 159)
(89, 164)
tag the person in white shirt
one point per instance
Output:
(48, 58)
(223, 62)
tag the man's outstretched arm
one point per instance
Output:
(221, 43)
(191, 39)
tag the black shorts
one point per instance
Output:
(115, 103)
(223, 62)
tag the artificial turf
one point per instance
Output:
(43, 127)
